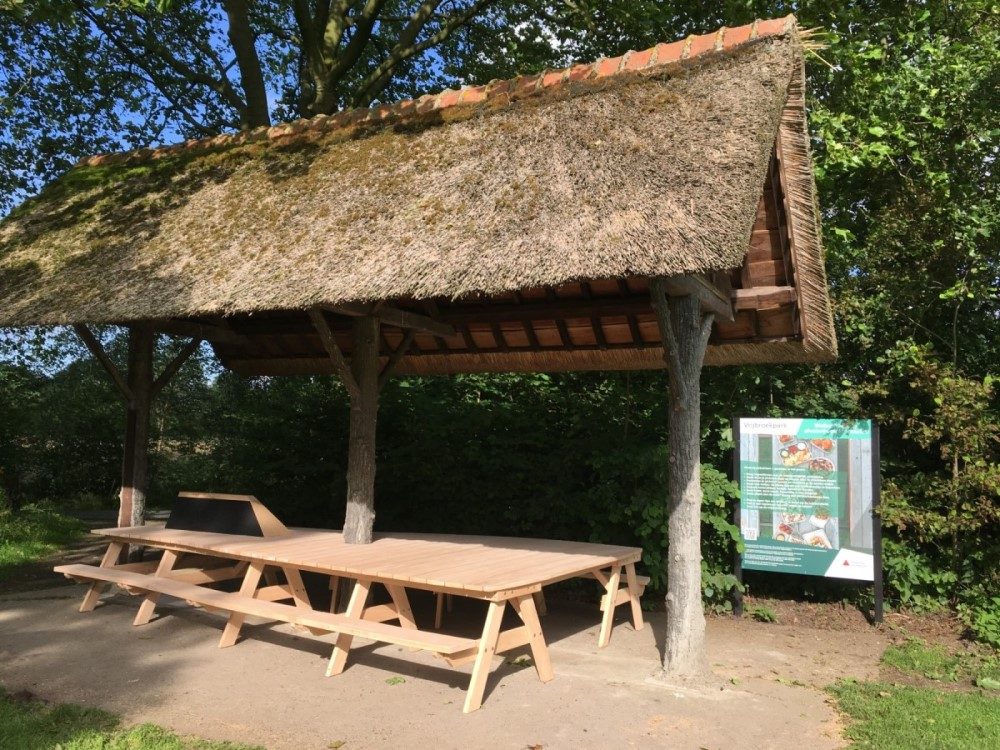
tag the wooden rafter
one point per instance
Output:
(222, 334)
(595, 320)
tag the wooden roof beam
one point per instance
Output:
(762, 296)
(712, 299)
(393, 316)
(215, 333)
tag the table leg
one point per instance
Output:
(355, 609)
(248, 589)
(633, 595)
(539, 597)
(402, 604)
(611, 589)
(484, 656)
(111, 555)
(525, 607)
(438, 610)
(148, 606)
(334, 590)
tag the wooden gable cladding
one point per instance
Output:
(592, 324)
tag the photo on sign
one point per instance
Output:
(806, 496)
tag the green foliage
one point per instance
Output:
(894, 717)
(33, 725)
(32, 532)
(763, 614)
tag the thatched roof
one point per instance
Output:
(650, 164)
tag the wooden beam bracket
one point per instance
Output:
(329, 343)
(101, 356)
(397, 354)
(173, 366)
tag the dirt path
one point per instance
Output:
(270, 689)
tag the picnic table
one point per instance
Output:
(500, 571)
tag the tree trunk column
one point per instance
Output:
(685, 334)
(360, 517)
(135, 462)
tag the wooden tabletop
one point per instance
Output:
(479, 564)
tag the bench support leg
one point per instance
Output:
(611, 591)
(93, 594)
(525, 607)
(634, 592)
(355, 609)
(248, 589)
(148, 606)
(484, 656)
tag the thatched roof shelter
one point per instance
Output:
(525, 216)
(655, 209)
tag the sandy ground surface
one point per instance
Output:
(270, 688)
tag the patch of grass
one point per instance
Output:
(935, 662)
(893, 717)
(917, 657)
(33, 725)
(33, 532)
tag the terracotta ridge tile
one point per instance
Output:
(693, 46)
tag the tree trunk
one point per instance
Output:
(360, 516)
(135, 463)
(684, 331)
(241, 37)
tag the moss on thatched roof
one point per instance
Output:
(646, 165)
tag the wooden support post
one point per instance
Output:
(684, 332)
(360, 518)
(135, 462)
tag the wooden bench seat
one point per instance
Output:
(322, 621)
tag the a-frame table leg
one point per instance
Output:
(148, 606)
(527, 611)
(111, 555)
(484, 656)
(611, 591)
(355, 609)
(249, 588)
(633, 595)
(402, 604)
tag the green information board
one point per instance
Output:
(806, 495)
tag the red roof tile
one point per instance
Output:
(661, 54)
